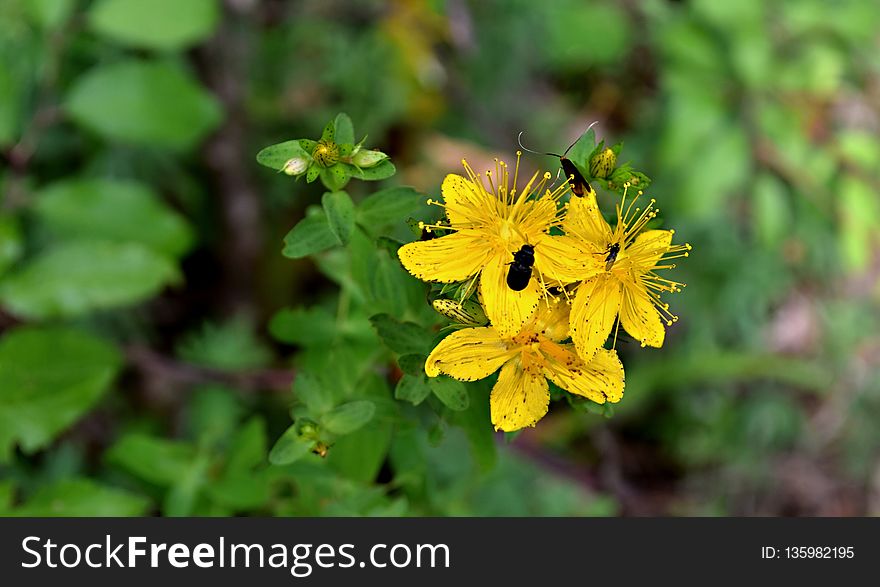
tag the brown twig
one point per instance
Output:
(165, 372)
(223, 62)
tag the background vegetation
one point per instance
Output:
(151, 327)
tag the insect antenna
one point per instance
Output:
(524, 148)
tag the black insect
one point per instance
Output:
(520, 271)
(613, 251)
(579, 186)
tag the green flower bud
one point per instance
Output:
(308, 429)
(602, 163)
(297, 165)
(326, 153)
(367, 158)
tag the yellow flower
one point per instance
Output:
(527, 359)
(488, 225)
(622, 279)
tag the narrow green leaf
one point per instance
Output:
(451, 392)
(340, 214)
(311, 235)
(347, 418)
(290, 447)
(329, 132)
(313, 173)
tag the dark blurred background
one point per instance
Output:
(758, 122)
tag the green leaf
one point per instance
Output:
(344, 129)
(476, 422)
(305, 326)
(275, 156)
(248, 448)
(50, 14)
(349, 417)
(82, 498)
(450, 391)
(313, 173)
(167, 25)
(401, 337)
(308, 388)
(10, 105)
(75, 278)
(156, 460)
(329, 132)
(11, 245)
(387, 207)
(383, 170)
(336, 177)
(412, 388)
(49, 378)
(412, 364)
(114, 210)
(144, 103)
(340, 214)
(771, 212)
(307, 145)
(389, 283)
(311, 235)
(290, 447)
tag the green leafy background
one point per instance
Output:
(183, 330)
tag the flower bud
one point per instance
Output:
(602, 163)
(296, 165)
(326, 153)
(367, 158)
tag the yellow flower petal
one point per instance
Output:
(468, 355)
(639, 316)
(507, 310)
(450, 258)
(518, 399)
(584, 221)
(564, 260)
(599, 380)
(593, 312)
(465, 202)
(647, 248)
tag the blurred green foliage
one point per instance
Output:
(153, 314)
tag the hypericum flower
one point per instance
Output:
(489, 225)
(622, 279)
(527, 359)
